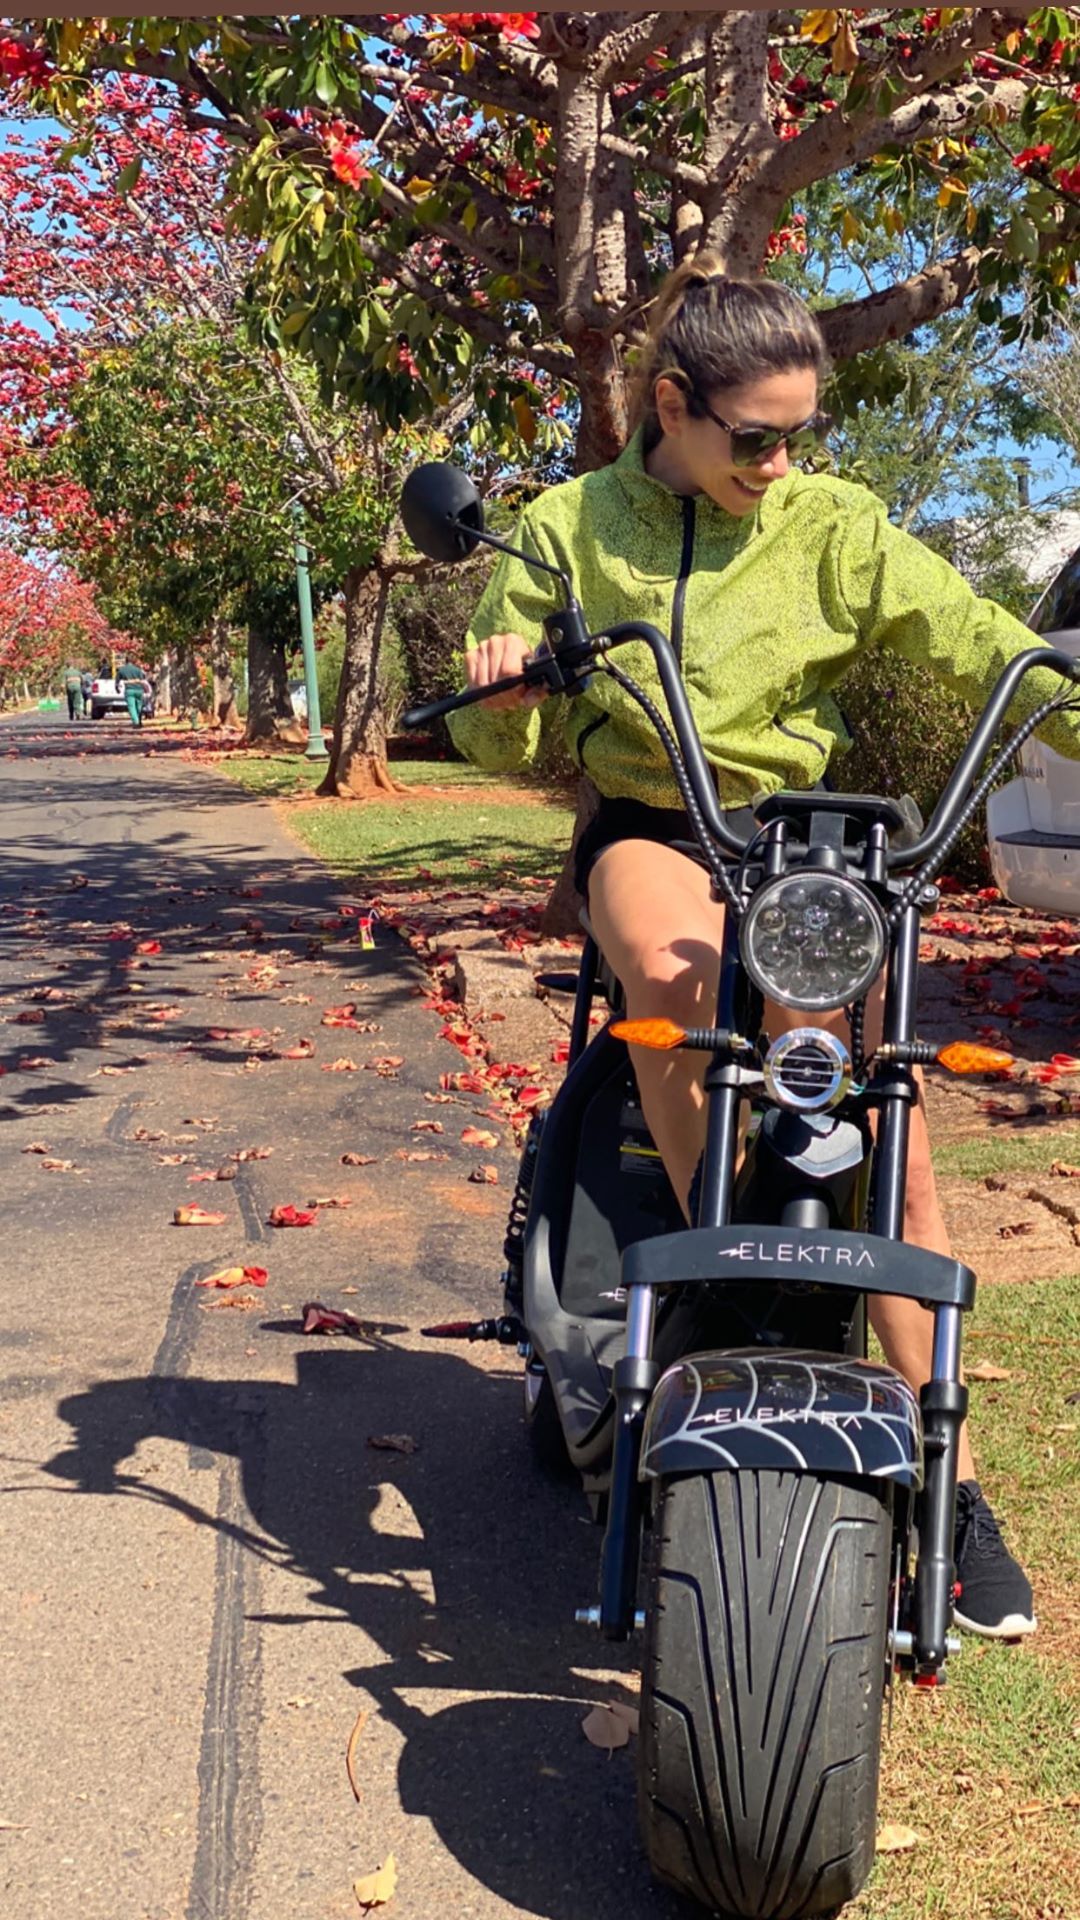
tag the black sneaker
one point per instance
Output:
(995, 1593)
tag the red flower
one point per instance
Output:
(523, 184)
(1068, 179)
(404, 362)
(1033, 156)
(23, 63)
(346, 164)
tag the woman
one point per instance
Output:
(769, 582)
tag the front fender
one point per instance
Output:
(756, 1409)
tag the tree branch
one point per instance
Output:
(628, 39)
(692, 180)
(486, 327)
(838, 139)
(855, 326)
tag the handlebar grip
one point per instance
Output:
(420, 716)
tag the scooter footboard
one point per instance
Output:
(812, 1412)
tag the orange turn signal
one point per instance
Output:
(960, 1056)
(649, 1033)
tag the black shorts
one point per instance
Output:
(633, 820)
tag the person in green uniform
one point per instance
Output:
(73, 688)
(130, 680)
(769, 582)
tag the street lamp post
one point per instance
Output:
(316, 745)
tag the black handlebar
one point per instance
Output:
(544, 670)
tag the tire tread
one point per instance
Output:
(761, 1692)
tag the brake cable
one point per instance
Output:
(717, 867)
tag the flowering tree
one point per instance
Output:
(127, 294)
(48, 620)
(516, 180)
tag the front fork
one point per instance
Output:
(943, 1398)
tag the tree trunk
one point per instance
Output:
(270, 720)
(564, 903)
(358, 767)
(185, 684)
(164, 679)
(226, 712)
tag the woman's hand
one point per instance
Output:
(494, 659)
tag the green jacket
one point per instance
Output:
(767, 614)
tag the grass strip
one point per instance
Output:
(423, 840)
(981, 1770)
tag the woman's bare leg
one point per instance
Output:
(661, 933)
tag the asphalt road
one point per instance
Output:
(208, 1571)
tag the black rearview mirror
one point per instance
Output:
(442, 511)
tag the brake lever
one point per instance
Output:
(557, 664)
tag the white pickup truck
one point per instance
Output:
(1033, 823)
(107, 696)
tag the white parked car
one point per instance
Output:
(1033, 823)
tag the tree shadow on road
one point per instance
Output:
(506, 1778)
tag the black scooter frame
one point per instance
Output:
(945, 1286)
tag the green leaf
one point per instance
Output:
(326, 85)
(1023, 238)
(128, 176)
(295, 321)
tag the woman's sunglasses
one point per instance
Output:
(750, 445)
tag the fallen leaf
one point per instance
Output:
(235, 1277)
(197, 1217)
(58, 1166)
(418, 1126)
(964, 1782)
(359, 1159)
(605, 1729)
(148, 946)
(1015, 1232)
(893, 1838)
(392, 1442)
(32, 1017)
(290, 1217)
(440, 1099)
(994, 1183)
(623, 1712)
(479, 1137)
(340, 1066)
(148, 1133)
(985, 1371)
(303, 1050)
(419, 1153)
(240, 1302)
(1060, 1167)
(36, 1146)
(252, 1153)
(331, 1200)
(300, 1700)
(320, 1319)
(485, 1176)
(376, 1889)
(173, 1159)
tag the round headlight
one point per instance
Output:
(813, 940)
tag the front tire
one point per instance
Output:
(762, 1690)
